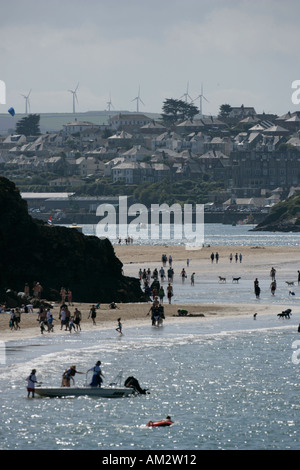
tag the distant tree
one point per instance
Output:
(225, 110)
(29, 125)
(177, 110)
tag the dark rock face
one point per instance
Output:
(30, 251)
(283, 217)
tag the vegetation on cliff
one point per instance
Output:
(283, 217)
(32, 251)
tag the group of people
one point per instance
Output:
(15, 319)
(215, 257)
(273, 284)
(70, 373)
(66, 295)
(157, 313)
(37, 290)
(67, 377)
(68, 321)
(128, 241)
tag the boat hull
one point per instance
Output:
(100, 392)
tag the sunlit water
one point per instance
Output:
(217, 235)
(228, 383)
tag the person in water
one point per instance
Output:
(69, 375)
(119, 329)
(97, 375)
(31, 381)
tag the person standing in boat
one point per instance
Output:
(97, 375)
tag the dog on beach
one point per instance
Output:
(290, 283)
(222, 279)
(236, 279)
(285, 314)
(291, 292)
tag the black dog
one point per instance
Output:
(236, 279)
(285, 314)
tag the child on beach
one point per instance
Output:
(119, 329)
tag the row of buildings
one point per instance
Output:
(251, 154)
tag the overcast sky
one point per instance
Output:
(243, 51)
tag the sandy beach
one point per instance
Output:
(256, 262)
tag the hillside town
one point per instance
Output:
(254, 157)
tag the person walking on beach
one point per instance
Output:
(170, 274)
(31, 381)
(256, 288)
(119, 329)
(93, 314)
(63, 318)
(273, 287)
(69, 295)
(193, 279)
(161, 294)
(230, 257)
(77, 319)
(162, 274)
(273, 273)
(183, 275)
(169, 292)
(212, 257)
(63, 295)
(71, 324)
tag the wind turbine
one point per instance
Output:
(138, 100)
(74, 96)
(186, 94)
(27, 102)
(201, 96)
(109, 103)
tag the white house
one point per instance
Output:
(89, 166)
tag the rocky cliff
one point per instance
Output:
(283, 217)
(32, 251)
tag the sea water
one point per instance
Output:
(227, 383)
(219, 235)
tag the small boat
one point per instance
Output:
(76, 227)
(101, 392)
(163, 422)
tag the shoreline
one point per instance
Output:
(131, 315)
(256, 262)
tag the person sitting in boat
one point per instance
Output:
(68, 375)
(97, 375)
